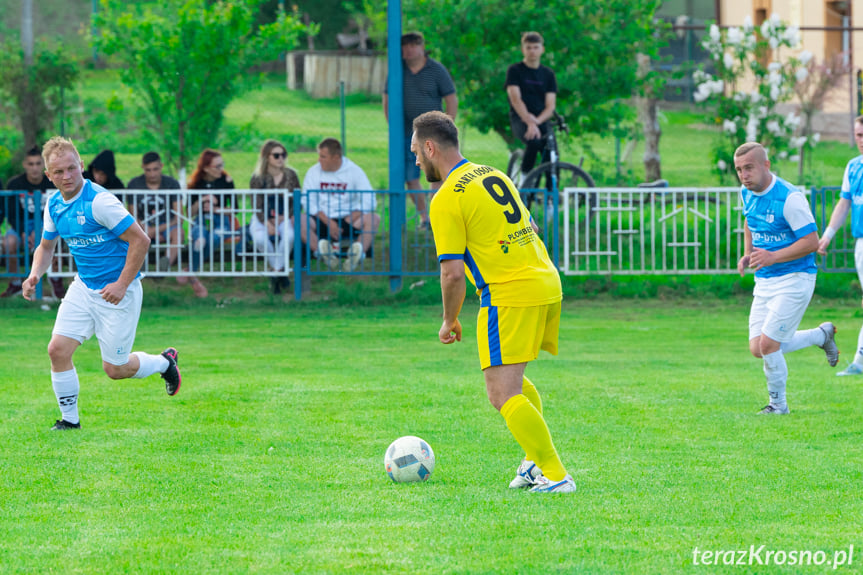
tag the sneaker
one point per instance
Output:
(58, 288)
(852, 369)
(355, 256)
(328, 254)
(172, 374)
(546, 485)
(62, 425)
(526, 475)
(771, 409)
(13, 289)
(829, 345)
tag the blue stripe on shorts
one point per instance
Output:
(493, 336)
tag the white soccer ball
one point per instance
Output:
(409, 459)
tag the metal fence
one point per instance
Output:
(638, 231)
(651, 231)
(225, 233)
(589, 231)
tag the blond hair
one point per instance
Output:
(748, 147)
(58, 145)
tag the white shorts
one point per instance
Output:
(83, 312)
(858, 259)
(779, 304)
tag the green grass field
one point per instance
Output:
(270, 459)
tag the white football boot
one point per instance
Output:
(526, 475)
(545, 485)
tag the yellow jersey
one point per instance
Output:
(477, 216)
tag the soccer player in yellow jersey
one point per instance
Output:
(481, 228)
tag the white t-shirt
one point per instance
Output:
(331, 192)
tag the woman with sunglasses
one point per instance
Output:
(273, 230)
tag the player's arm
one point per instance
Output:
(513, 92)
(837, 220)
(548, 111)
(451, 105)
(139, 244)
(452, 287)
(42, 258)
(743, 263)
(386, 101)
(804, 246)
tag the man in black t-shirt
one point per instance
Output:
(158, 213)
(532, 92)
(21, 213)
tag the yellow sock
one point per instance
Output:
(530, 391)
(530, 431)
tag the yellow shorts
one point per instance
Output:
(509, 335)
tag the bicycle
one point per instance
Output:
(553, 172)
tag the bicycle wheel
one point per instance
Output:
(568, 176)
(513, 168)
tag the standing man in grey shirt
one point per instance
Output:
(427, 86)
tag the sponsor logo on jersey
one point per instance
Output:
(504, 246)
(759, 237)
(86, 241)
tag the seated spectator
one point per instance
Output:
(158, 214)
(339, 209)
(103, 171)
(211, 225)
(271, 231)
(20, 213)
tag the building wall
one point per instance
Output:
(823, 44)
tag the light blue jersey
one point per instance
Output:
(91, 224)
(852, 190)
(778, 217)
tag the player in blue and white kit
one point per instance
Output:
(780, 242)
(105, 298)
(850, 199)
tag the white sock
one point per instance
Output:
(805, 338)
(66, 388)
(776, 371)
(858, 357)
(149, 364)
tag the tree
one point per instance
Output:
(186, 60)
(750, 80)
(34, 90)
(590, 44)
(815, 84)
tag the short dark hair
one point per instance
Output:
(413, 38)
(438, 127)
(151, 157)
(532, 38)
(34, 151)
(859, 120)
(332, 145)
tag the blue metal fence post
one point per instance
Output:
(397, 143)
(298, 246)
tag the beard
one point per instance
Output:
(432, 174)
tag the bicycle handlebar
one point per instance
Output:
(560, 122)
